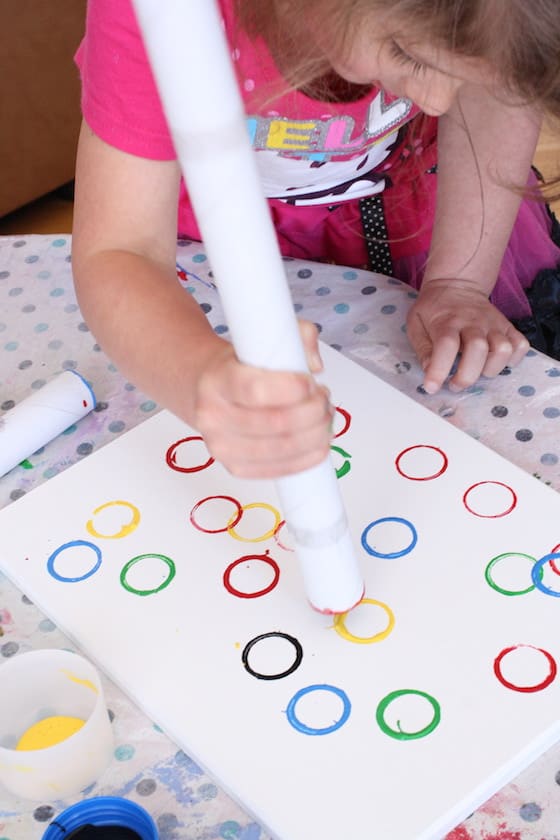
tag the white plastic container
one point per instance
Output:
(43, 684)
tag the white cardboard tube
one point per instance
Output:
(207, 122)
(42, 416)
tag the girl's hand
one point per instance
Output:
(454, 316)
(260, 423)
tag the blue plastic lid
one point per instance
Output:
(103, 818)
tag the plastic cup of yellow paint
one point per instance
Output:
(55, 733)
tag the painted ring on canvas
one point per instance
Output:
(525, 688)
(538, 568)
(171, 455)
(72, 544)
(491, 582)
(264, 558)
(390, 554)
(442, 469)
(399, 733)
(128, 566)
(278, 635)
(326, 730)
(232, 522)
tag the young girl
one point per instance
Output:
(345, 101)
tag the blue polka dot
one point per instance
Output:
(388, 309)
(71, 307)
(350, 275)
(524, 435)
(298, 307)
(412, 295)
(112, 367)
(553, 372)
(32, 258)
(230, 830)
(43, 275)
(322, 291)
(41, 327)
(304, 273)
(58, 292)
(359, 329)
(199, 258)
(37, 384)
(19, 244)
(58, 243)
(50, 472)
(11, 345)
(392, 281)
(149, 405)
(17, 290)
(70, 430)
(29, 307)
(208, 791)
(69, 364)
(55, 344)
(531, 812)
(129, 386)
(526, 391)
(551, 413)
(530, 353)
(549, 459)
(4, 275)
(125, 752)
(47, 626)
(342, 308)
(116, 426)
(221, 329)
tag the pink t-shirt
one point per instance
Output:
(310, 154)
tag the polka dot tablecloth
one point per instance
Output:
(42, 332)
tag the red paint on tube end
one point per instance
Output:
(339, 612)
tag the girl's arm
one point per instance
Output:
(485, 151)
(257, 423)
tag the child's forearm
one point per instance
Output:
(485, 153)
(148, 325)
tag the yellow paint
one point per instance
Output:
(277, 519)
(126, 529)
(80, 681)
(48, 732)
(340, 625)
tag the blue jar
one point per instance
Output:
(103, 816)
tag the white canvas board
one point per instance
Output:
(178, 651)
